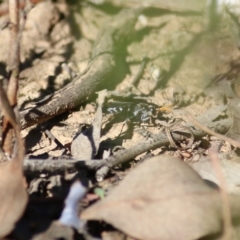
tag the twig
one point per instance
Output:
(56, 141)
(14, 54)
(13, 65)
(33, 166)
(10, 116)
(4, 10)
(196, 123)
(226, 210)
(139, 73)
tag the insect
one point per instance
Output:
(136, 112)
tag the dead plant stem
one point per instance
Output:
(14, 59)
(196, 123)
(227, 222)
(14, 55)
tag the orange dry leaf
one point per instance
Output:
(13, 195)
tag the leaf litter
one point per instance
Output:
(191, 65)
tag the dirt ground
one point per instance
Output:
(188, 67)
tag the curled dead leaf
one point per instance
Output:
(162, 198)
(13, 194)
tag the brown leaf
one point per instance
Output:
(85, 145)
(230, 170)
(13, 195)
(163, 198)
(56, 231)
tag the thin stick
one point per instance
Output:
(10, 116)
(226, 210)
(14, 56)
(196, 123)
(140, 72)
(13, 65)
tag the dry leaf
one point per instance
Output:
(163, 198)
(85, 145)
(56, 231)
(230, 171)
(13, 195)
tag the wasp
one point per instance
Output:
(135, 112)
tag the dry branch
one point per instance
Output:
(226, 209)
(13, 65)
